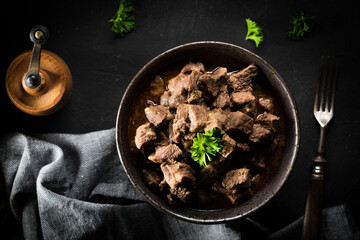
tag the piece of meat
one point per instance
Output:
(178, 174)
(157, 115)
(179, 124)
(198, 116)
(181, 193)
(178, 87)
(219, 73)
(192, 81)
(219, 114)
(267, 104)
(189, 136)
(165, 153)
(269, 121)
(235, 179)
(157, 86)
(164, 99)
(259, 133)
(229, 146)
(152, 177)
(239, 122)
(209, 86)
(145, 137)
(222, 100)
(188, 116)
(181, 179)
(242, 80)
(213, 124)
(235, 197)
(194, 96)
(240, 98)
(193, 66)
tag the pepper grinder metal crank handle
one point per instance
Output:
(38, 35)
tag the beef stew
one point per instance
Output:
(179, 104)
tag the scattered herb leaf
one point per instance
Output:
(123, 21)
(206, 145)
(301, 22)
(254, 32)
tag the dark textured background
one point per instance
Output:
(102, 65)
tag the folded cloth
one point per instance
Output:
(66, 186)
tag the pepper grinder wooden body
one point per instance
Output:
(38, 82)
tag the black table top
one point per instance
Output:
(103, 64)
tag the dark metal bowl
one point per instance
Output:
(218, 54)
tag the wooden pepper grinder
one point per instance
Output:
(38, 82)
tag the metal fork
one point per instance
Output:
(323, 112)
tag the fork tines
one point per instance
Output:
(326, 86)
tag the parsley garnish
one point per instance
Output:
(206, 145)
(123, 21)
(301, 22)
(254, 32)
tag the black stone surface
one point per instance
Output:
(102, 65)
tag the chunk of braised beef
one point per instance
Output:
(188, 117)
(259, 133)
(218, 73)
(219, 114)
(164, 99)
(267, 104)
(229, 146)
(165, 153)
(190, 136)
(189, 67)
(181, 193)
(235, 179)
(152, 177)
(213, 124)
(269, 121)
(157, 115)
(198, 116)
(178, 174)
(242, 80)
(222, 100)
(240, 98)
(235, 197)
(194, 96)
(181, 179)
(178, 87)
(145, 137)
(238, 122)
(209, 86)
(192, 81)
(180, 124)
(157, 86)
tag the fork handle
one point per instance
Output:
(312, 218)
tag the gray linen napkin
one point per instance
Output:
(66, 186)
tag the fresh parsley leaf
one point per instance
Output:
(301, 22)
(206, 145)
(123, 21)
(254, 32)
